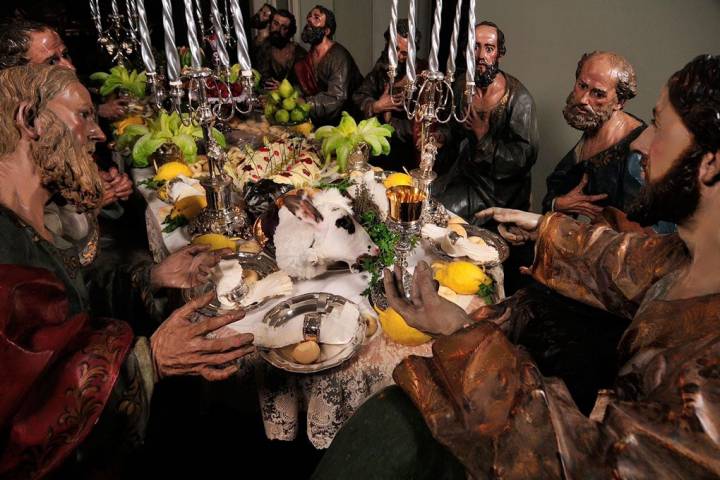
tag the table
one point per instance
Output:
(331, 397)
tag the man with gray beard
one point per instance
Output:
(63, 362)
(600, 169)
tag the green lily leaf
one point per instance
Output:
(187, 146)
(144, 147)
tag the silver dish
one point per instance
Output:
(492, 239)
(263, 264)
(322, 303)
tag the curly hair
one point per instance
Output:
(15, 40)
(32, 83)
(694, 92)
(626, 87)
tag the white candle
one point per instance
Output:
(242, 46)
(450, 70)
(217, 28)
(173, 59)
(192, 35)
(411, 42)
(435, 37)
(201, 22)
(392, 46)
(145, 49)
(470, 52)
(114, 7)
(95, 14)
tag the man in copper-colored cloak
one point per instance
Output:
(485, 401)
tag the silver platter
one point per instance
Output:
(322, 303)
(263, 264)
(492, 239)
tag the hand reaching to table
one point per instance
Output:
(181, 347)
(189, 267)
(428, 311)
(516, 226)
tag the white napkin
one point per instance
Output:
(336, 328)
(228, 275)
(462, 246)
(274, 285)
(183, 186)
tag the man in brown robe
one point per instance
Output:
(486, 401)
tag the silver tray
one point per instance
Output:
(323, 303)
(492, 239)
(262, 263)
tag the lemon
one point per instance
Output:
(189, 207)
(395, 179)
(170, 170)
(215, 240)
(304, 128)
(399, 331)
(464, 278)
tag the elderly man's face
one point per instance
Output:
(593, 98)
(315, 18)
(63, 149)
(315, 29)
(75, 108)
(47, 47)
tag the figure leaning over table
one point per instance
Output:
(62, 366)
(485, 400)
(328, 75)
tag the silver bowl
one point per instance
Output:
(322, 303)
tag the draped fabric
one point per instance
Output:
(485, 399)
(57, 371)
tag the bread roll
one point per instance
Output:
(306, 352)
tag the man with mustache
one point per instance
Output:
(598, 171)
(500, 137)
(261, 23)
(373, 98)
(277, 56)
(61, 363)
(26, 41)
(487, 402)
(328, 75)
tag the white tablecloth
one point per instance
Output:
(331, 397)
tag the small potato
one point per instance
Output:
(306, 352)
(456, 220)
(250, 277)
(457, 228)
(249, 246)
(372, 325)
(477, 241)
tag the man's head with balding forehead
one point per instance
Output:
(604, 81)
(45, 111)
